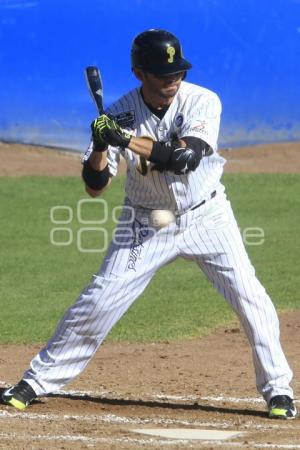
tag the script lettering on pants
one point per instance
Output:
(140, 232)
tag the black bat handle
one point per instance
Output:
(95, 86)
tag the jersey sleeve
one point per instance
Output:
(113, 159)
(203, 119)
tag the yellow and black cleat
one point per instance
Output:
(282, 407)
(19, 396)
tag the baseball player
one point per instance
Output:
(175, 206)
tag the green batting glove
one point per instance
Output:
(114, 134)
(99, 143)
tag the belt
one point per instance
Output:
(212, 195)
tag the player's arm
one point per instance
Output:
(95, 171)
(180, 156)
(95, 174)
(175, 156)
(202, 126)
(200, 134)
(145, 147)
(198, 145)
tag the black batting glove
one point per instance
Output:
(184, 160)
(170, 156)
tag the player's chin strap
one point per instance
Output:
(180, 160)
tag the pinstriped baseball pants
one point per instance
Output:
(210, 237)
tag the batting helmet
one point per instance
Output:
(158, 52)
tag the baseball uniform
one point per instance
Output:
(204, 231)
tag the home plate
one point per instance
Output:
(188, 433)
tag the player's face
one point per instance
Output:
(161, 88)
(164, 86)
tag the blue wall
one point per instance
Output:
(248, 51)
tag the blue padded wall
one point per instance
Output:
(248, 51)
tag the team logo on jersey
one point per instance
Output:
(179, 120)
(126, 119)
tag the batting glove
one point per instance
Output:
(110, 132)
(99, 144)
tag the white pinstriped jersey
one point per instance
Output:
(207, 235)
(195, 111)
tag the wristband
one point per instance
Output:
(99, 147)
(95, 179)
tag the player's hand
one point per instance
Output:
(108, 131)
(99, 144)
(182, 161)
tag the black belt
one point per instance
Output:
(212, 195)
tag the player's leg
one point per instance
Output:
(134, 255)
(214, 241)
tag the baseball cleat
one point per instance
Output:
(19, 396)
(282, 407)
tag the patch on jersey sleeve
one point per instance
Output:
(179, 120)
(200, 127)
(126, 119)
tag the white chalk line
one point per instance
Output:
(93, 440)
(140, 441)
(111, 395)
(117, 420)
(113, 419)
(162, 396)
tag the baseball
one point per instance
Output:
(161, 217)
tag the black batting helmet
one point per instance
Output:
(158, 52)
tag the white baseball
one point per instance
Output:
(161, 217)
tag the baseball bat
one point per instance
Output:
(95, 86)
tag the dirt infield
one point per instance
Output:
(198, 384)
(21, 159)
(201, 384)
